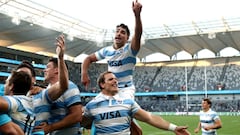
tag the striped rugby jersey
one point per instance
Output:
(121, 62)
(42, 106)
(111, 115)
(59, 108)
(206, 119)
(21, 111)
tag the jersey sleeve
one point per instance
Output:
(72, 95)
(4, 118)
(100, 54)
(13, 103)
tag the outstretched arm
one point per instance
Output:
(56, 90)
(136, 40)
(159, 122)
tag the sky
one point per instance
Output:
(107, 14)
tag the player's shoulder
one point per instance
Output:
(212, 111)
(71, 83)
(96, 100)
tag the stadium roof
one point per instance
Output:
(29, 26)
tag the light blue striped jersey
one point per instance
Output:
(21, 111)
(111, 115)
(121, 62)
(4, 119)
(42, 106)
(59, 108)
(206, 119)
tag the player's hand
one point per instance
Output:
(196, 130)
(85, 81)
(207, 128)
(43, 126)
(60, 43)
(182, 130)
(136, 7)
(35, 90)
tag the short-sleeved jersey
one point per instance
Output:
(206, 119)
(111, 115)
(59, 108)
(42, 106)
(4, 118)
(21, 111)
(121, 62)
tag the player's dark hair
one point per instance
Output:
(27, 64)
(124, 27)
(208, 101)
(55, 62)
(22, 82)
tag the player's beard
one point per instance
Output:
(114, 92)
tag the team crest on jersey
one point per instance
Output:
(121, 50)
(115, 63)
(119, 102)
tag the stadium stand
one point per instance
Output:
(159, 87)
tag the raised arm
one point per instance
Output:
(56, 90)
(136, 40)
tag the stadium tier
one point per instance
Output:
(169, 82)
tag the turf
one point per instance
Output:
(231, 125)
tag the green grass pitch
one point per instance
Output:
(231, 125)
